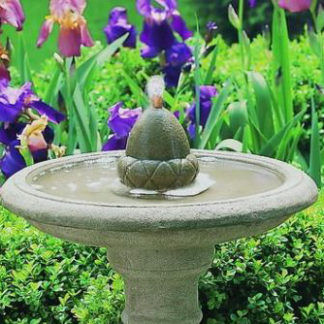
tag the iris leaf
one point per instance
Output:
(86, 69)
(230, 144)
(83, 122)
(315, 154)
(216, 110)
(263, 100)
(211, 68)
(282, 63)
(23, 60)
(270, 147)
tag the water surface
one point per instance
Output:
(97, 181)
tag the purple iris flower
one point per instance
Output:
(14, 101)
(207, 93)
(176, 56)
(12, 161)
(121, 122)
(38, 135)
(115, 143)
(252, 3)
(211, 28)
(159, 25)
(211, 25)
(158, 35)
(118, 26)
(295, 5)
(10, 131)
(73, 26)
(11, 13)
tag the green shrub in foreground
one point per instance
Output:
(274, 278)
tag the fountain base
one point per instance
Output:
(161, 285)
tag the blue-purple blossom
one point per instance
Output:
(37, 135)
(121, 122)
(252, 3)
(119, 26)
(15, 101)
(158, 35)
(160, 25)
(211, 28)
(12, 160)
(115, 143)
(207, 93)
(176, 56)
(10, 131)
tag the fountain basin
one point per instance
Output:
(160, 245)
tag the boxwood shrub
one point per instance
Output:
(277, 277)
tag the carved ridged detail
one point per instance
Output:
(157, 175)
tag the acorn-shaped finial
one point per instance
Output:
(158, 152)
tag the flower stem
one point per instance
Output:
(70, 109)
(240, 33)
(320, 35)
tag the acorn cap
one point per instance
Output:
(157, 135)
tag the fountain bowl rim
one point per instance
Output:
(297, 192)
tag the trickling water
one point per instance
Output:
(97, 181)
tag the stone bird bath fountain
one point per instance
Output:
(161, 220)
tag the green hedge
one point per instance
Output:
(274, 278)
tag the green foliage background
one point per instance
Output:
(97, 12)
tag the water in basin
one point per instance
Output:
(95, 181)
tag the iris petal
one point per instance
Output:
(44, 109)
(121, 121)
(12, 161)
(73, 26)
(86, 39)
(9, 112)
(172, 75)
(207, 93)
(46, 29)
(295, 5)
(118, 26)
(178, 54)
(11, 13)
(176, 57)
(115, 143)
(9, 132)
(144, 7)
(69, 42)
(180, 26)
(40, 155)
(157, 36)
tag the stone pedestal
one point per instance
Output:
(161, 285)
